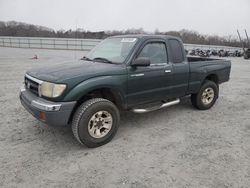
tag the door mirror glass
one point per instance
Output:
(141, 61)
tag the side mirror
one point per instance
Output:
(141, 62)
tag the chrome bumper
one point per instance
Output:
(46, 107)
(42, 105)
(52, 113)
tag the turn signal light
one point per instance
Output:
(42, 116)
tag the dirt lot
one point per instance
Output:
(174, 147)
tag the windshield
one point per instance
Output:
(112, 49)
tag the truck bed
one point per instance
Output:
(200, 67)
(196, 58)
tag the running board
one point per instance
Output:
(171, 103)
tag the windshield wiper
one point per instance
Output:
(86, 58)
(102, 59)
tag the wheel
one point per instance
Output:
(95, 122)
(206, 97)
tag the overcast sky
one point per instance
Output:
(221, 17)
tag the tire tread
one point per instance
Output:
(78, 114)
(195, 98)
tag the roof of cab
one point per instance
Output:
(146, 36)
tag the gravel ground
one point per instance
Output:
(173, 147)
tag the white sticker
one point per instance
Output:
(128, 40)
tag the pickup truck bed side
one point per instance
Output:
(212, 69)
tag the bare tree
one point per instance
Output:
(13, 28)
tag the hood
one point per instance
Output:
(70, 70)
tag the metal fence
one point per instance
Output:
(78, 44)
(49, 43)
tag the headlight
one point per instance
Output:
(51, 90)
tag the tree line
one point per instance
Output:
(20, 29)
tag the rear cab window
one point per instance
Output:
(176, 51)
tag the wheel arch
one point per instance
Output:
(108, 93)
(212, 77)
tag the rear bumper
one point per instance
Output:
(51, 113)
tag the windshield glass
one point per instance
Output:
(112, 49)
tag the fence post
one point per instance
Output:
(19, 42)
(54, 43)
(41, 46)
(10, 42)
(29, 42)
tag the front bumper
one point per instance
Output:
(51, 113)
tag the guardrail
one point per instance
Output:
(78, 44)
(49, 43)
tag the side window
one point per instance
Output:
(176, 51)
(155, 51)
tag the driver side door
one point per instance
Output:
(150, 83)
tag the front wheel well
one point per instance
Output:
(104, 93)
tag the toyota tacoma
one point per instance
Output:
(140, 73)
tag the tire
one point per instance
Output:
(87, 118)
(203, 100)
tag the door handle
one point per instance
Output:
(167, 71)
(137, 75)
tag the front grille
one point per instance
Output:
(31, 85)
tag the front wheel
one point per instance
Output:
(206, 97)
(95, 122)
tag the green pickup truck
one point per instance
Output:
(140, 73)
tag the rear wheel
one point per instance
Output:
(206, 97)
(95, 122)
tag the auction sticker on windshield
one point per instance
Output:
(128, 40)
